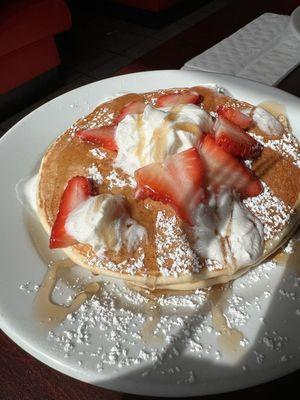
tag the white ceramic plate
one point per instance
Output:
(265, 304)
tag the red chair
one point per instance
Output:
(27, 45)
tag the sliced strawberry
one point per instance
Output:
(223, 169)
(178, 181)
(235, 116)
(77, 190)
(134, 107)
(175, 99)
(234, 140)
(103, 136)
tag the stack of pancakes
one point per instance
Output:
(167, 260)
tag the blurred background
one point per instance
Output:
(48, 47)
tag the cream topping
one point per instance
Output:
(227, 232)
(30, 192)
(104, 222)
(157, 133)
(267, 122)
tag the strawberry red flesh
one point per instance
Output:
(235, 116)
(78, 189)
(175, 99)
(178, 181)
(104, 136)
(133, 107)
(235, 141)
(224, 170)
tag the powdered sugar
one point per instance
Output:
(270, 210)
(115, 180)
(287, 146)
(237, 311)
(128, 266)
(95, 174)
(98, 153)
(212, 265)
(174, 254)
(274, 341)
(100, 117)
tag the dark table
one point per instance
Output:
(22, 376)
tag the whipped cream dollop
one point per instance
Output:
(227, 232)
(157, 133)
(30, 188)
(267, 122)
(104, 222)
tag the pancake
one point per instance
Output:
(167, 259)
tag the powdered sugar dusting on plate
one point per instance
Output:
(106, 333)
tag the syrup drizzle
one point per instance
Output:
(159, 139)
(277, 110)
(188, 127)
(141, 139)
(153, 314)
(274, 108)
(49, 313)
(230, 338)
(290, 260)
(160, 135)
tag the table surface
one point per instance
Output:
(22, 376)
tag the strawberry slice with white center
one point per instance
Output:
(234, 140)
(104, 136)
(176, 99)
(224, 170)
(178, 181)
(133, 107)
(78, 190)
(235, 116)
